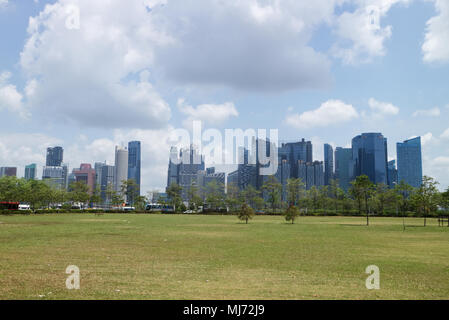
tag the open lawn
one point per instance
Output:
(218, 257)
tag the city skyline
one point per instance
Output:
(70, 85)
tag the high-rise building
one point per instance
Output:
(328, 164)
(55, 156)
(392, 174)
(410, 162)
(98, 172)
(344, 167)
(54, 177)
(369, 152)
(87, 175)
(107, 182)
(8, 172)
(134, 162)
(121, 167)
(295, 151)
(311, 173)
(30, 172)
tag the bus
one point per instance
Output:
(13, 206)
(164, 208)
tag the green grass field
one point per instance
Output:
(217, 257)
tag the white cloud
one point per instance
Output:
(435, 112)
(441, 162)
(361, 35)
(90, 75)
(213, 114)
(436, 43)
(329, 113)
(248, 45)
(3, 3)
(10, 98)
(382, 108)
(445, 134)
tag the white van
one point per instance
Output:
(24, 207)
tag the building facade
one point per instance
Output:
(121, 167)
(134, 162)
(410, 162)
(328, 164)
(55, 157)
(8, 172)
(87, 175)
(369, 153)
(344, 167)
(30, 172)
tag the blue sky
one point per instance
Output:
(314, 70)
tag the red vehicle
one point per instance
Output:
(13, 206)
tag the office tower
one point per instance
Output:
(318, 173)
(121, 167)
(369, 152)
(328, 164)
(173, 167)
(55, 156)
(134, 162)
(293, 152)
(392, 174)
(107, 182)
(311, 173)
(8, 172)
(54, 177)
(98, 172)
(282, 176)
(410, 162)
(344, 167)
(86, 174)
(65, 175)
(210, 176)
(30, 172)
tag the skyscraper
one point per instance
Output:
(30, 172)
(8, 172)
(392, 174)
(369, 152)
(344, 167)
(55, 156)
(54, 177)
(134, 162)
(410, 162)
(87, 175)
(107, 182)
(121, 167)
(328, 164)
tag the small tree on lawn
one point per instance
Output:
(246, 213)
(291, 214)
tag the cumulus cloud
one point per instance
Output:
(436, 43)
(88, 71)
(435, 112)
(329, 113)
(248, 45)
(445, 134)
(213, 114)
(361, 36)
(10, 98)
(382, 108)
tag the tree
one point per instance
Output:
(246, 213)
(404, 191)
(252, 197)
(272, 190)
(444, 200)
(362, 190)
(95, 198)
(194, 197)
(426, 197)
(215, 195)
(174, 192)
(79, 192)
(295, 190)
(130, 191)
(291, 214)
(234, 198)
(323, 197)
(313, 195)
(336, 192)
(383, 197)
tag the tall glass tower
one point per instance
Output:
(369, 152)
(328, 164)
(54, 157)
(134, 162)
(344, 167)
(410, 162)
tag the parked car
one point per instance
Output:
(24, 207)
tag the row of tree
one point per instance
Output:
(39, 194)
(362, 198)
